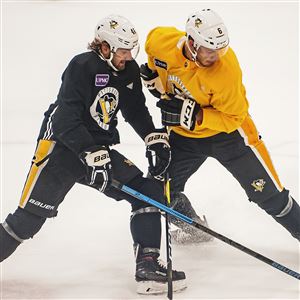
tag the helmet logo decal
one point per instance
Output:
(104, 106)
(198, 22)
(133, 31)
(113, 24)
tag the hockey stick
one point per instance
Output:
(168, 237)
(193, 223)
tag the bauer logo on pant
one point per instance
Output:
(258, 185)
(41, 204)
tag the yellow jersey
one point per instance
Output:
(218, 89)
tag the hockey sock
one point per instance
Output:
(291, 221)
(8, 244)
(145, 227)
(145, 222)
(285, 210)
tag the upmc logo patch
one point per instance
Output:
(101, 79)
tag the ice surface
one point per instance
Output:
(86, 252)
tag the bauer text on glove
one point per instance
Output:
(98, 164)
(158, 152)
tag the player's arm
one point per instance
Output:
(176, 111)
(228, 109)
(134, 110)
(136, 113)
(68, 125)
(226, 113)
(151, 80)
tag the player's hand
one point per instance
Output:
(178, 111)
(98, 165)
(158, 152)
(151, 80)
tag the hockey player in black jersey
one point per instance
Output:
(75, 146)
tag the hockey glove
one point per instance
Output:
(158, 153)
(99, 170)
(151, 81)
(178, 111)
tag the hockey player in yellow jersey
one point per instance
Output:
(198, 80)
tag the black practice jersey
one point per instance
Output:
(91, 94)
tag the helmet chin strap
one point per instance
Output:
(110, 63)
(108, 60)
(194, 55)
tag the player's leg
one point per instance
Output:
(47, 183)
(145, 226)
(244, 154)
(19, 226)
(186, 160)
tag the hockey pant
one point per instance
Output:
(54, 171)
(245, 156)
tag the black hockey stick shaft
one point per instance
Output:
(219, 236)
(168, 237)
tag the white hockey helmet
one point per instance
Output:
(118, 32)
(207, 29)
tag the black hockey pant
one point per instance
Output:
(246, 158)
(53, 172)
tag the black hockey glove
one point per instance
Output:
(99, 170)
(151, 81)
(178, 111)
(158, 153)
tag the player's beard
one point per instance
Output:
(206, 63)
(119, 64)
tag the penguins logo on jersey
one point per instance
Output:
(104, 106)
(176, 87)
(258, 185)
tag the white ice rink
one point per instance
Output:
(86, 252)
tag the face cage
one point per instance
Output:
(221, 52)
(134, 53)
